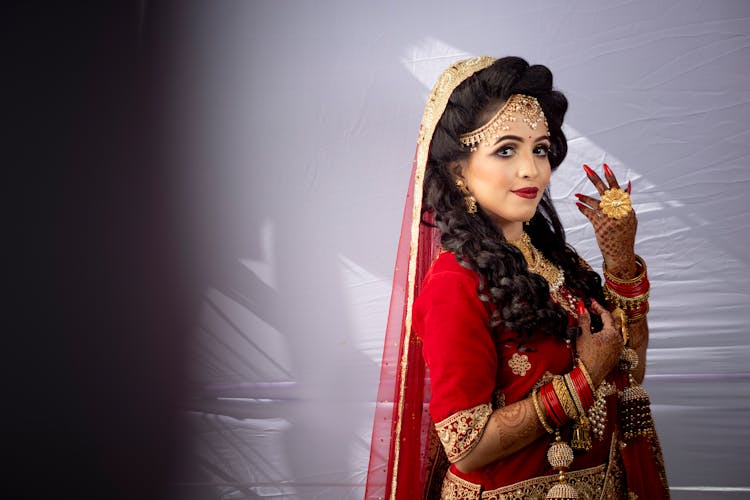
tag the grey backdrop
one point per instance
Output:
(296, 123)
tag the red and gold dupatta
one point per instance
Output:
(400, 449)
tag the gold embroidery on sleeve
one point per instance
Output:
(460, 432)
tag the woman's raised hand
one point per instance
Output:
(599, 351)
(613, 219)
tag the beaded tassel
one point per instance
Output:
(560, 456)
(635, 405)
(598, 412)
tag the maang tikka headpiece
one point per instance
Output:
(526, 106)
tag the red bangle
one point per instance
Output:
(639, 313)
(643, 309)
(633, 290)
(552, 405)
(581, 385)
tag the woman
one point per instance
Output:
(533, 365)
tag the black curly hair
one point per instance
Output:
(522, 298)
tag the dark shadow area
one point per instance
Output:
(92, 358)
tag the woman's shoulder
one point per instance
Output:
(447, 267)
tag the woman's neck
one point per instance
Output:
(512, 230)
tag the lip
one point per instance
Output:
(528, 192)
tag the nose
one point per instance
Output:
(527, 168)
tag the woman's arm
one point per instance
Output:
(513, 427)
(509, 429)
(616, 239)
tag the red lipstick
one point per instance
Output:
(528, 193)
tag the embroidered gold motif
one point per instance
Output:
(519, 363)
(455, 488)
(460, 432)
(588, 483)
(603, 482)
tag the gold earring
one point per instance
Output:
(471, 202)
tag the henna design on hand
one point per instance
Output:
(616, 237)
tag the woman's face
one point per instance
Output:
(509, 175)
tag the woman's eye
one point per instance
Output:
(541, 150)
(505, 151)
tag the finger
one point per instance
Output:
(611, 179)
(584, 321)
(595, 179)
(606, 316)
(590, 213)
(588, 200)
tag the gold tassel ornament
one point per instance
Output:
(560, 456)
(635, 405)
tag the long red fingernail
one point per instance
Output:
(607, 170)
(630, 186)
(580, 307)
(578, 195)
(580, 205)
(589, 172)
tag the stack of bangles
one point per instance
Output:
(630, 295)
(567, 397)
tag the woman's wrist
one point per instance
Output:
(623, 266)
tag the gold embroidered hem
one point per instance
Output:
(602, 482)
(460, 432)
(455, 488)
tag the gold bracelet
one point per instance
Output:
(638, 317)
(539, 412)
(619, 281)
(586, 375)
(627, 303)
(572, 390)
(566, 400)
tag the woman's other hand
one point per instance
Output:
(615, 236)
(599, 351)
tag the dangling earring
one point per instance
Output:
(471, 202)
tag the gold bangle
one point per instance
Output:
(572, 390)
(539, 412)
(638, 317)
(619, 281)
(586, 375)
(627, 303)
(638, 298)
(566, 401)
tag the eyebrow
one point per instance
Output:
(519, 139)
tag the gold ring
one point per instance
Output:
(615, 203)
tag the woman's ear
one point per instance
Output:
(457, 168)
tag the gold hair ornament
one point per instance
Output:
(517, 104)
(615, 203)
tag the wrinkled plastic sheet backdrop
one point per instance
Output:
(303, 118)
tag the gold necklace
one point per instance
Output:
(538, 263)
(555, 277)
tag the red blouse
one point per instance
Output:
(475, 369)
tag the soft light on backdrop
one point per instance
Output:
(295, 126)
